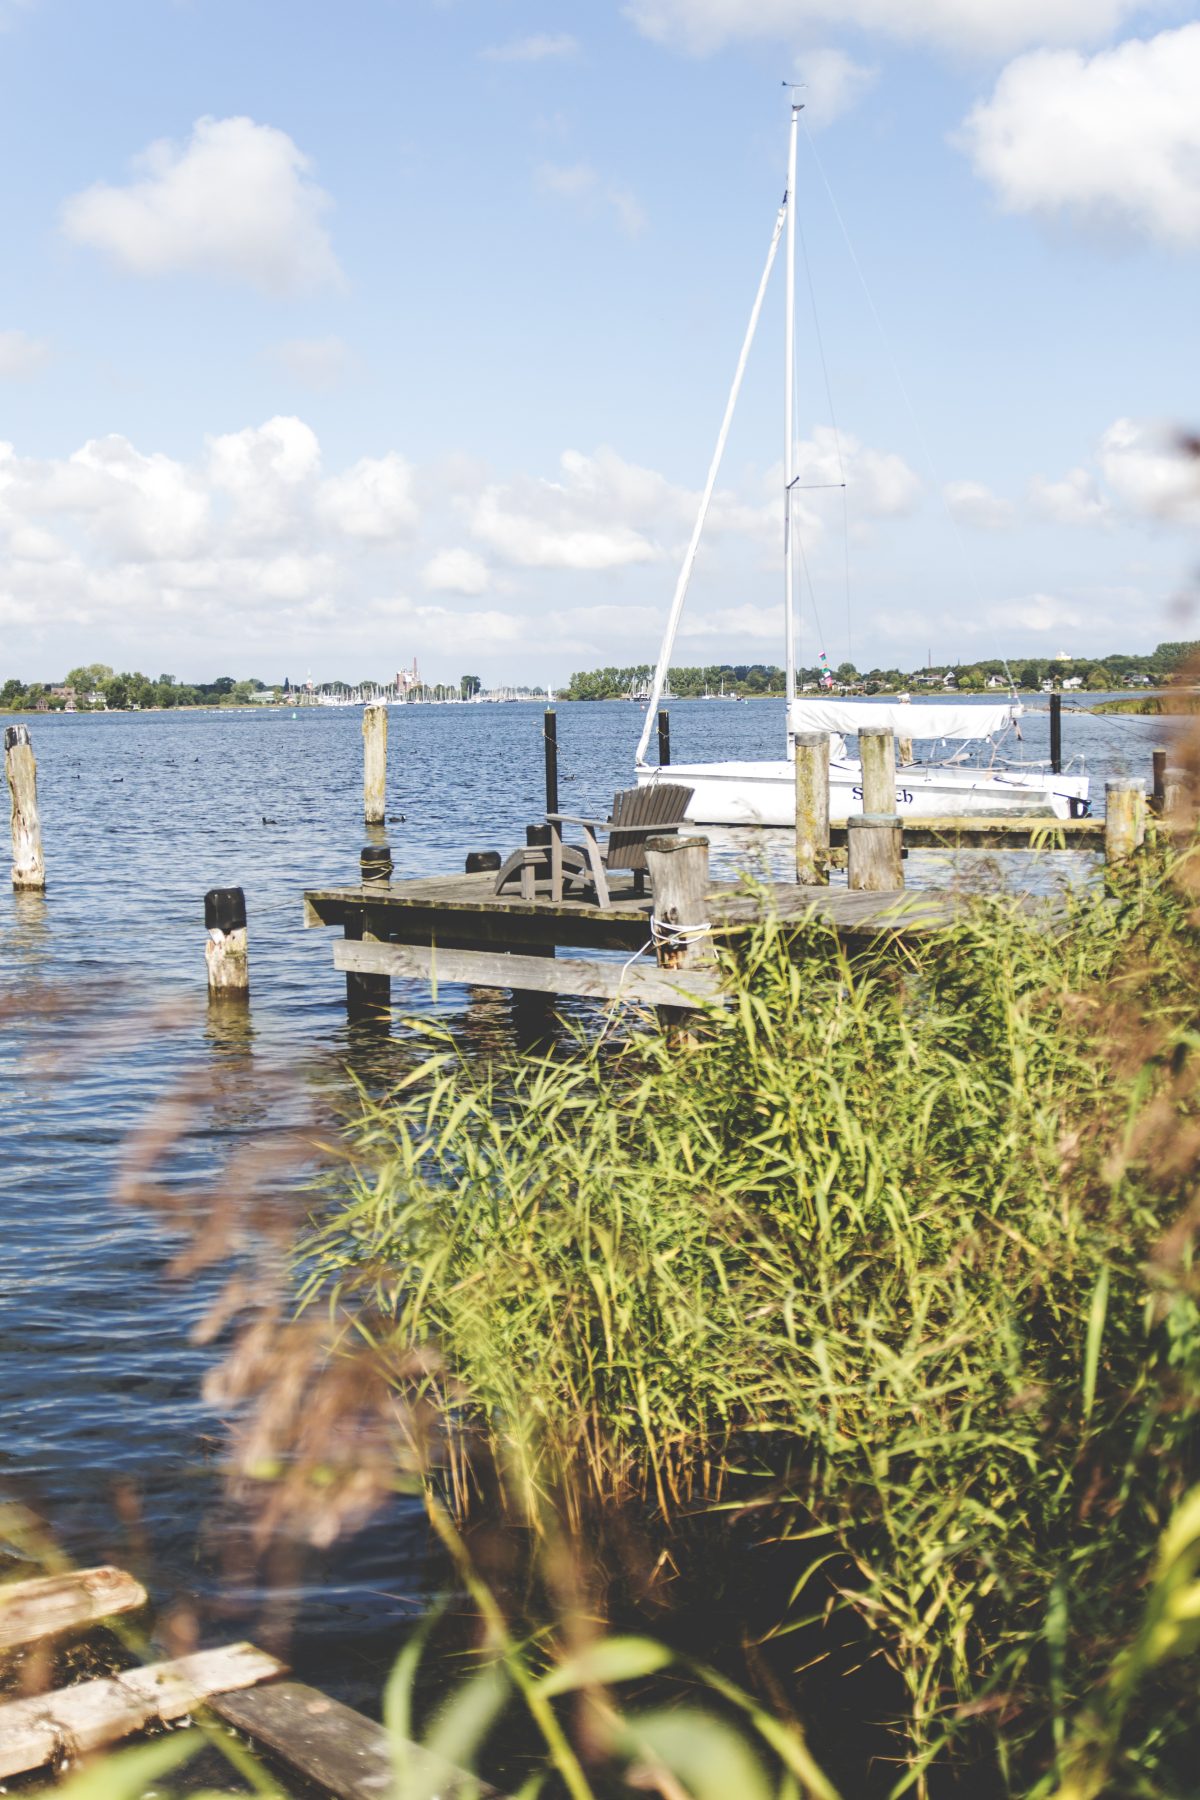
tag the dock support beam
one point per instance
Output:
(226, 950)
(678, 869)
(20, 768)
(1056, 734)
(1158, 761)
(1124, 819)
(374, 730)
(812, 808)
(874, 853)
(664, 738)
(877, 754)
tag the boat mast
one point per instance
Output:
(789, 423)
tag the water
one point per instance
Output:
(103, 1017)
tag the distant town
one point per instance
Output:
(95, 687)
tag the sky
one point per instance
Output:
(331, 337)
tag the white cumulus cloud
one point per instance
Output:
(456, 572)
(21, 355)
(373, 499)
(991, 26)
(832, 83)
(238, 201)
(971, 503)
(1075, 500)
(1112, 140)
(1148, 472)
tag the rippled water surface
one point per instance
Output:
(103, 1018)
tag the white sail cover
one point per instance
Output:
(939, 719)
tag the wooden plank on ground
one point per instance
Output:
(334, 1746)
(641, 982)
(51, 1603)
(74, 1720)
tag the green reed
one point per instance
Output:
(903, 1240)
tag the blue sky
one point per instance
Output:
(331, 337)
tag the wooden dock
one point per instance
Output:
(454, 928)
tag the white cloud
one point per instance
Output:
(1075, 500)
(971, 503)
(21, 355)
(1039, 612)
(374, 499)
(316, 362)
(456, 572)
(1139, 472)
(237, 201)
(584, 187)
(541, 46)
(833, 83)
(267, 471)
(1149, 473)
(701, 26)
(1111, 140)
(879, 484)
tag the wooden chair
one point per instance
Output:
(637, 814)
(528, 871)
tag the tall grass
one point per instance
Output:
(898, 1251)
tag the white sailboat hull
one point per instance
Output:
(764, 793)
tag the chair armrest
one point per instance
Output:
(575, 819)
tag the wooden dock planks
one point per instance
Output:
(71, 1721)
(48, 1604)
(645, 983)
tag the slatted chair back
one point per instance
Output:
(661, 804)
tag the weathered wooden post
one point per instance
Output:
(664, 737)
(877, 754)
(550, 739)
(1056, 734)
(1124, 819)
(904, 752)
(1158, 763)
(374, 730)
(20, 768)
(812, 808)
(678, 868)
(1175, 798)
(225, 949)
(874, 855)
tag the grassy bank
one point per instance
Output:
(1174, 701)
(895, 1261)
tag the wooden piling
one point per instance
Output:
(678, 868)
(226, 948)
(1124, 819)
(1056, 734)
(550, 740)
(812, 808)
(664, 738)
(374, 730)
(1175, 799)
(20, 768)
(904, 752)
(877, 754)
(1158, 761)
(874, 853)
(375, 863)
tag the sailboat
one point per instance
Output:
(939, 773)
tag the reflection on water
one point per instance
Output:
(105, 1035)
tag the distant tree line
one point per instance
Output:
(97, 687)
(1120, 669)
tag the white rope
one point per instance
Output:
(685, 573)
(662, 933)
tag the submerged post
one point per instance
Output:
(1056, 734)
(874, 856)
(225, 949)
(678, 868)
(375, 862)
(1158, 763)
(812, 808)
(1124, 819)
(374, 730)
(877, 754)
(20, 768)
(550, 740)
(664, 737)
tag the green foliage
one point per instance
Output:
(894, 1237)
